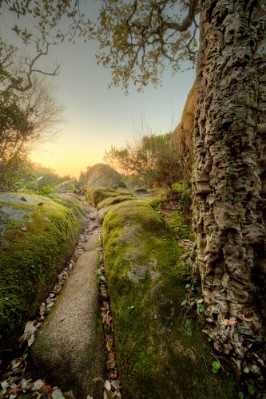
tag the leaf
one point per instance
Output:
(241, 395)
(38, 384)
(183, 303)
(107, 385)
(57, 394)
(15, 363)
(108, 346)
(29, 327)
(199, 300)
(31, 339)
(216, 365)
(251, 390)
(201, 308)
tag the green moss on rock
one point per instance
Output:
(114, 200)
(96, 195)
(72, 201)
(37, 236)
(161, 351)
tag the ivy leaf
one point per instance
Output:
(251, 390)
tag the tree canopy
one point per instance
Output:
(137, 40)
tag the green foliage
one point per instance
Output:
(216, 366)
(46, 190)
(251, 390)
(153, 159)
(138, 38)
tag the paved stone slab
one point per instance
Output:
(69, 347)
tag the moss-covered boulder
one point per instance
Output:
(161, 350)
(36, 236)
(102, 175)
(95, 195)
(73, 202)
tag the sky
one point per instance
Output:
(96, 117)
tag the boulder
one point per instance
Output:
(161, 350)
(78, 207)
(37, 235)
(102, 175)
(95, 195)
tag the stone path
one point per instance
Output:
(69, 348)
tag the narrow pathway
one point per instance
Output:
(73, 332)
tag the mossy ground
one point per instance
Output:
(161, 350)
(32, 251)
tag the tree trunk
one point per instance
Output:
(229, 176)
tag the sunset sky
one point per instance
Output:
(97, 117)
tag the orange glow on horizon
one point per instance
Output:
(68, 158)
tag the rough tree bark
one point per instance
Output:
(229, 183)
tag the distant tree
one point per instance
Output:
(152, 158)
(27, 116)
(48, 176)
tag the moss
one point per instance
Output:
(155, 203)
(73, 202)
(114, 200)
(98, 194)
(32, 251)
(178, 223)
(161, 353)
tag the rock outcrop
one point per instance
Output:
(37, 235)
(102, 175)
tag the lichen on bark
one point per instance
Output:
(229, 176)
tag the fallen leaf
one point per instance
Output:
(116, 384)
(107, 385)
(111, 363)
(29, 327)
(15, 363)
(106, 320)
(38, 384)
(31, 339)
(108, 346)
(24, 383)
(57, 394)
(45, 389)
(112, 376)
